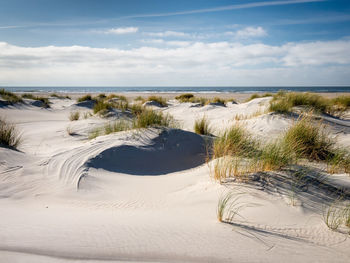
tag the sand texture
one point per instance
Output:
(147, 195)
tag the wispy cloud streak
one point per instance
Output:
(226, 8)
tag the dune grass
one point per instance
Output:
(333, 216)
(140, 99)
(74, 116)
(185, 97)
(117, 126)
(309, 140)
(101, 107)
(274, 156)
(283, 102)
(234, 141)
(9, 135)
(237, 153)
(229, 205)
(216, 100)
(151, 118)
(86, 97)
(201, 126)
(119, 97)
(54, 95)
(111, 127)
(158, 99)
(44, 100)
(10, 97)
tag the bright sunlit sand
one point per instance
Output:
(155, 194)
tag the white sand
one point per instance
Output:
(148, 195)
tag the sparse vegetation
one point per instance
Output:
(101, 107)
(74, 116)
(217, 100)
(283, 102)
(44, 100)
(333, 216)
(201, 126)
(111, 127)
(86, 97)
(139, 98)
(54, 95)
(9, 136)
(274, 156)
(186, 97)
(253, 96)
(119, 97)
(229, 206)
(150, 118)
(235, 141)
(158, 99)
(308, 140)
(10, 97)
(117, 126)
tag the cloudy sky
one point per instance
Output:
(174, 43)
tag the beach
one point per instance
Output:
(150, 194)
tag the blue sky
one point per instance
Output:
(181, 43)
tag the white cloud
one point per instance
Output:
(168, 34)
(248, 32)
(197, 63)
(122, 30)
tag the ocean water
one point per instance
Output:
(179, 89)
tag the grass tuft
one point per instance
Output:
(160, 100)
(9, 136)
(101, 107)
(86, 97)
(234, 141)
(185, 97)
(150, 118)
(308, 140)
(201, 126)
(10, 97)
(74, 116)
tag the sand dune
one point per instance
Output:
(148, 195)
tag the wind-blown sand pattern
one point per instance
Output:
(147, 195)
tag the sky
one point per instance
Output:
(174, 43)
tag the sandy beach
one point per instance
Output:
(148, 195)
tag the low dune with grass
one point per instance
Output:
(191, 178)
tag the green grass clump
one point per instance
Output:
(9, 136)
(86, 97)
(120, 97)
(136, 109)
(217, 100)
(253, 96)
(339, 161)
(74, 116)
(308, 140)
(117, 126)
(54, 95)
(139, 98)
(101, 107)
(201, 126)
(235, 141)
(44, 100)
(283, 102)
(160, 100)
(10, 97)
(150, 118)
(274, 156)
(185, 97)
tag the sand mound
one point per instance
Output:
(171, 151)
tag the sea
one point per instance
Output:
(168, 89)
